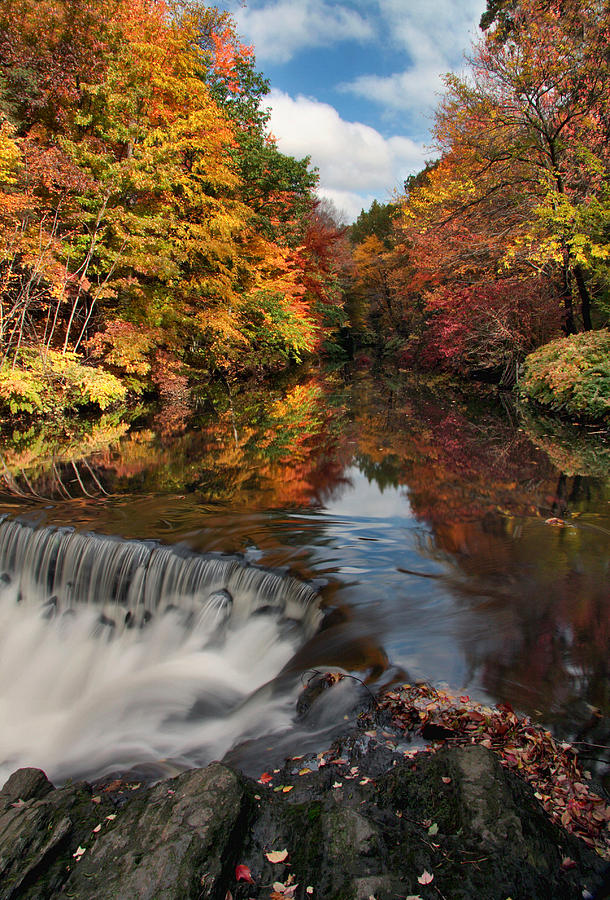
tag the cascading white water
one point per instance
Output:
(115, 653)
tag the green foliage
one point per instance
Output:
(571, 375)
(51, 382)
(498, 13)
(375, 221)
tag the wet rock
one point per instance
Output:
(331, 695)
(178, 840)
(24, 784)
(40, 830)
(456, 814)
(221, 600)
(49, 608)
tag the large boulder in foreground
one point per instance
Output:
(454, 824)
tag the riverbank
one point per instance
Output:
(374, 817)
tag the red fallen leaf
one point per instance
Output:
(425, 877)
(265, 778)
(464, 698)
(243, 873)
(115, 785)
(567, 863)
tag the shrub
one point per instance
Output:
(53, 383)
(571, 375)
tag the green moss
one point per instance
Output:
(314, 812)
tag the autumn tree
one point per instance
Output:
(377, 221)
(517, 205)
(147, 212)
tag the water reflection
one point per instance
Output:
(419, 510)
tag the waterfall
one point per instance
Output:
(115, 653)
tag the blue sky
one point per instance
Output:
(354, 84)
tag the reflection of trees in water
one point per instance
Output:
(261, 447)
(472, 476)
(481, 485)
(541, 593)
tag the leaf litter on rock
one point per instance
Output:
(552, 768)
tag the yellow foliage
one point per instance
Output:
(10, 155)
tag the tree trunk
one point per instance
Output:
(569, 325)
(585, 297)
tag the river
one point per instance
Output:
(412, 529)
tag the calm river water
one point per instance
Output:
(418, 515)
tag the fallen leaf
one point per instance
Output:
(446, 781)
(338, 784)
(243, 873)
(265, 778)
(567, 863)
(228, 896)
(283, 890)
(557, 523)
(96, 799)
(433, 830)
(287, 788)
(305, 771)
(111, 817)
(277, 856)
(97, 829)
(365, 780)
(113, 786)
(309, 889)
(79, 853)
(425, 877)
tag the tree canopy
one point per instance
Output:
(147, 214)
(504, 242)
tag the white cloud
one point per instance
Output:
(434, 35)
(355, 161)
(347, 203)
(281, 28)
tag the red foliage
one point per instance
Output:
(490, 325)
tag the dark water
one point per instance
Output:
(418, 511)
